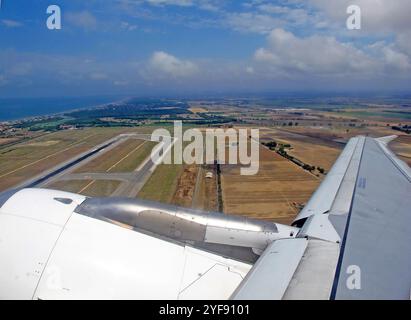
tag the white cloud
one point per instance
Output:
(11, 23)
(263, 17)
(315, 54)
(253, 22)
(210, 5)
(272, 8)
(98, 76)
(249, 70)
(83, 19)
(396, 59)
(169, 65)
(183, 3)
(120, 83)
(323, 59)
(206, 5)
(403, 42)
(295, 16)
(127, 26)
(381, 19)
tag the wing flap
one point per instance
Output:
(270, 276)
(323, 198)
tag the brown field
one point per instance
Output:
(324, 137)
(186, 185)
(306, 148)
(4, 141)
(402, 147)
(332, 134)
(273, 194)
(205, 196)
(321, 142)
(318, 156)
(42, 143)
(198, 110)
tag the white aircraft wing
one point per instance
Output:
(356, 228)
(351, 241)
(58, 245)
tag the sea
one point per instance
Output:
(20, 108)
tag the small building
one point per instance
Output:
(209, 175)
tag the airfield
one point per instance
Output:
(115, 161)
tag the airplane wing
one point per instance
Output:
(356, 232)
(58, 245)
(351, 241)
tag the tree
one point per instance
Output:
(308, 167)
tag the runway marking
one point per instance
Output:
(126, 156)
(114, 165)
(87, 186)
(42, 159)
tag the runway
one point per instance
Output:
(131, 182)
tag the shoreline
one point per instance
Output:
(61, 113)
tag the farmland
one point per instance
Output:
(275, 193)
(310, 150)
(402, 147)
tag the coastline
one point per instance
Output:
(59, 113)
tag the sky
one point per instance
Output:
(203, 47)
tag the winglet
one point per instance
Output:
(387, 139)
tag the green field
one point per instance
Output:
(162, 184)
(377, 114)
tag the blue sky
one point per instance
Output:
(184, 47)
